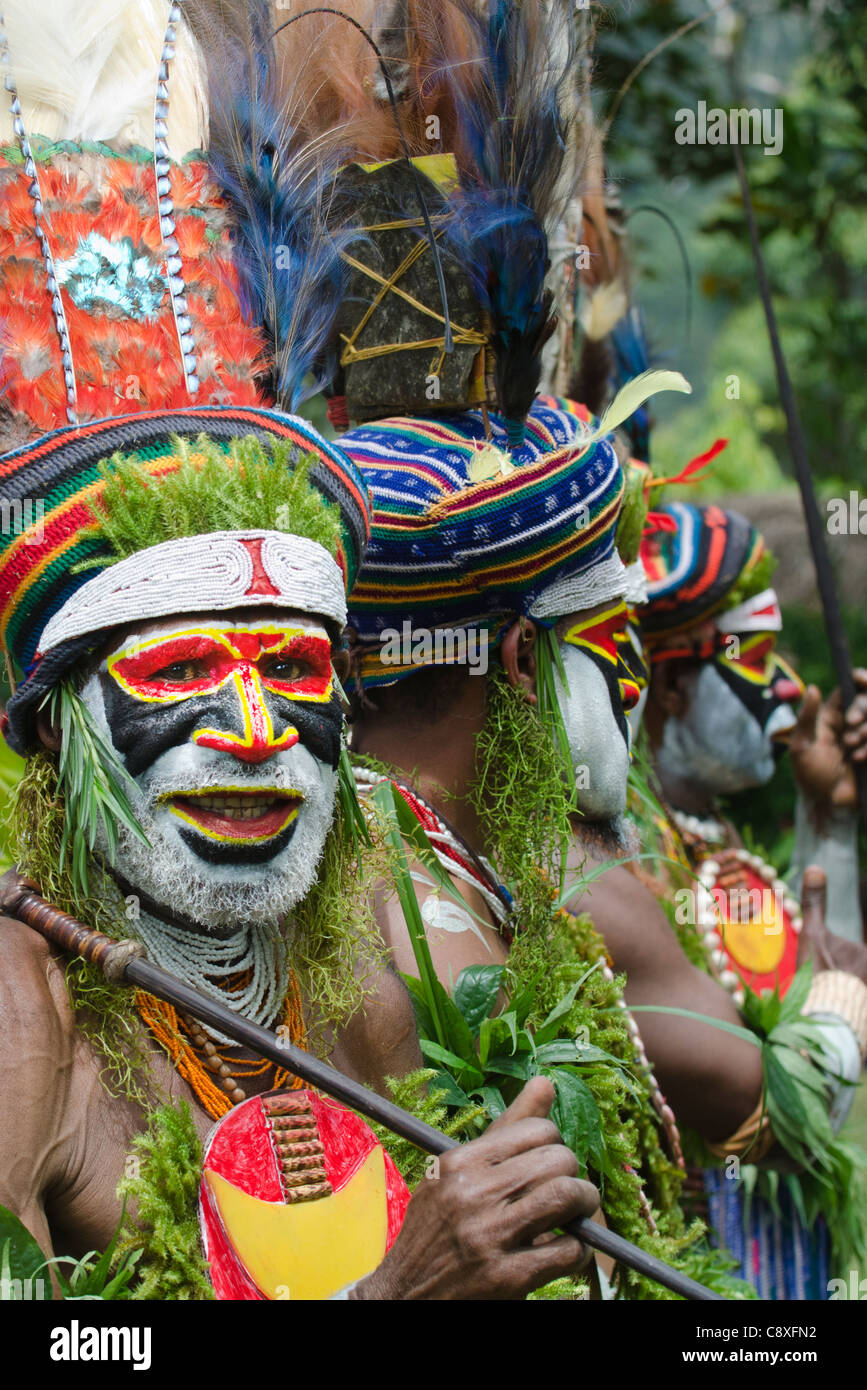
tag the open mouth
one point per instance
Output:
(234, 814)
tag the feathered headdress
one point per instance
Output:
(146, 301)
(511, 147)
(483, 96)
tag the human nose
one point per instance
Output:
(257, 740)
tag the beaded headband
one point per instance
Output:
(50, 607)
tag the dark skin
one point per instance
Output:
(483, 1230)
(713, 1088)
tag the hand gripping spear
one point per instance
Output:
(123, 962)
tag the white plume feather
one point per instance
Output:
(89, 72)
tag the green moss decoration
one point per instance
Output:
(753, 581)
(523, 804)
(413, 1093)
(104, 1013)
(243, 485)
(334, 941)
(633, 514)
(165, 1227)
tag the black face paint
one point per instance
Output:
(141, 731)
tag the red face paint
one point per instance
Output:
(607, 640)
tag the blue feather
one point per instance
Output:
(287, 241)
(510, 156)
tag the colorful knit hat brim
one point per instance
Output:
(61, 471)
(446, 549)
(694, 567)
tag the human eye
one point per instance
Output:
(180, 672)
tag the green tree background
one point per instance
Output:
(810, 61)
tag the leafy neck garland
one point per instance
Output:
(560, 988)
(832, 1181)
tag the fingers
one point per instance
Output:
(855, 720)
(521, 1174)
(814, 893)
(535, 1100)
(553, 1203)
(808, 714)
(556, 1258)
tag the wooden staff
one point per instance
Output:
(124, 962)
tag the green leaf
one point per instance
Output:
(476, 991)
(465, 1073)
(796, 994)
(568, 1050)
(522, 1066)
(22, 1257)
(443, 1085)
(726, 1027)
(521, 1004)
(575, 1112)
(494, 1032)
(491, 1097)
(551, 1026)
(418, 996)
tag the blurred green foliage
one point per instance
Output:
(809, 60)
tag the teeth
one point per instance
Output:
(238, 807)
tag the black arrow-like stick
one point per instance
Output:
(123, 962)
(837, 638)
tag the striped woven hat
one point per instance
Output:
(133, 328)
(467, 533)
(700, 562)
(51, 611)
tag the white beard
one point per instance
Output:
(599, 751)
(221, 897)
(717, 743)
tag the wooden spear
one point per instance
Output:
(123, 962)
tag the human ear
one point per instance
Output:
(48, 731)
(518, 655)
(340, 662)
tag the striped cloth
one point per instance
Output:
(38, 561)
(776, 1254)
(467, 532)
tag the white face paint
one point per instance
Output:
(600, 754)
(717, 744)
(224, 894)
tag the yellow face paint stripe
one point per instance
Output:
(221, 637)
(233, 839)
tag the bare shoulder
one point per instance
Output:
(34, 1005)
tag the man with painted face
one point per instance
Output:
(721, 703)
(719, 708)
(475, 549)
(171, 627)
(199, 669)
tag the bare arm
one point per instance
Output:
(36, 1058)
(712, 1079)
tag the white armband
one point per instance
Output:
(837, 1001)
